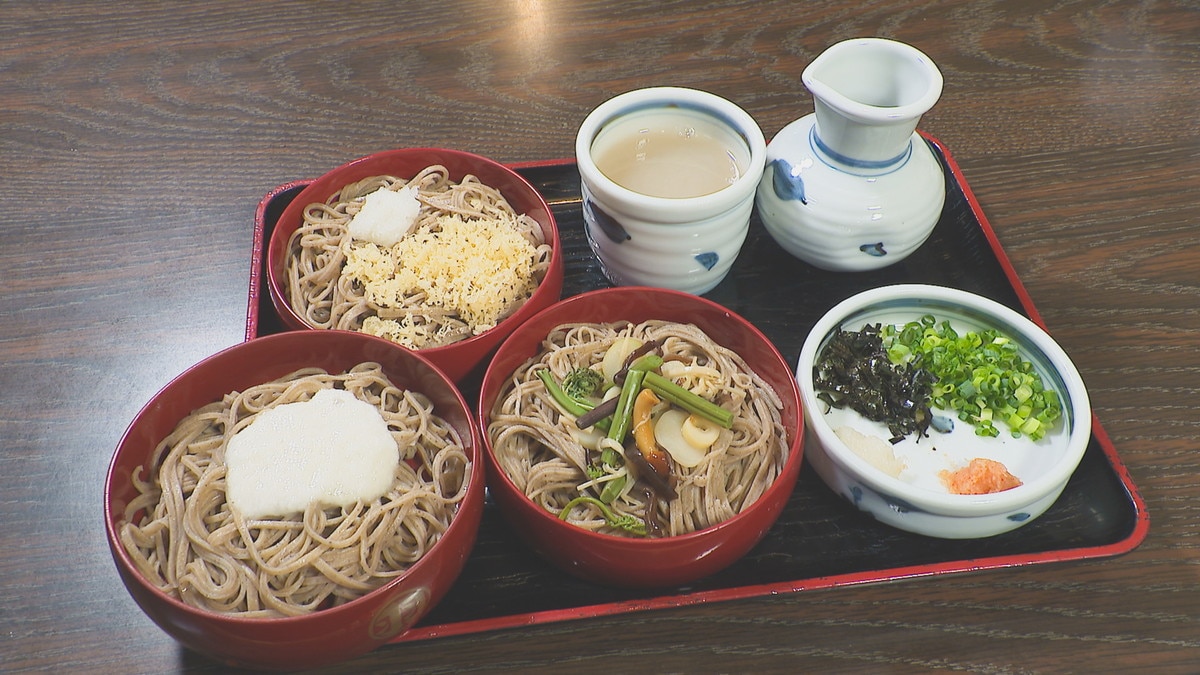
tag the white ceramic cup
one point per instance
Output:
(684, 243)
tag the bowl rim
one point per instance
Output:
(1032, 337)
(795, 442)
(320, 189)
(112, 515)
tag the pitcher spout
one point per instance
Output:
(869, 95)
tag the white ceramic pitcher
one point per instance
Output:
(852, 186)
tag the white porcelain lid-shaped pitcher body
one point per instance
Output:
(853, 186)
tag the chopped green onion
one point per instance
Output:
(981, 376)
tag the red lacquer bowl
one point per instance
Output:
(325, 636)
(643, 563)
(460, 358)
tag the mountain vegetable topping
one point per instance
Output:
(641, 400)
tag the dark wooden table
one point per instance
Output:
(136, 140)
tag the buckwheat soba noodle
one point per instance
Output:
(465, 263)
(185, 537)
(632, 487)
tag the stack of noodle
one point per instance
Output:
(187, 540)
(326, 298)
(533, 443)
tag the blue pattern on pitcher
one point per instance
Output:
(869, 178)
(788, 184)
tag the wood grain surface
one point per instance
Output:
(137, 138)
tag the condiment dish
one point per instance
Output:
(907, 488)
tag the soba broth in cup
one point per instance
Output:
(668, 180)
(670, 152)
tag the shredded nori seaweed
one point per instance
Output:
(854, 370)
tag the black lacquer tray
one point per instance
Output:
(820, 540)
